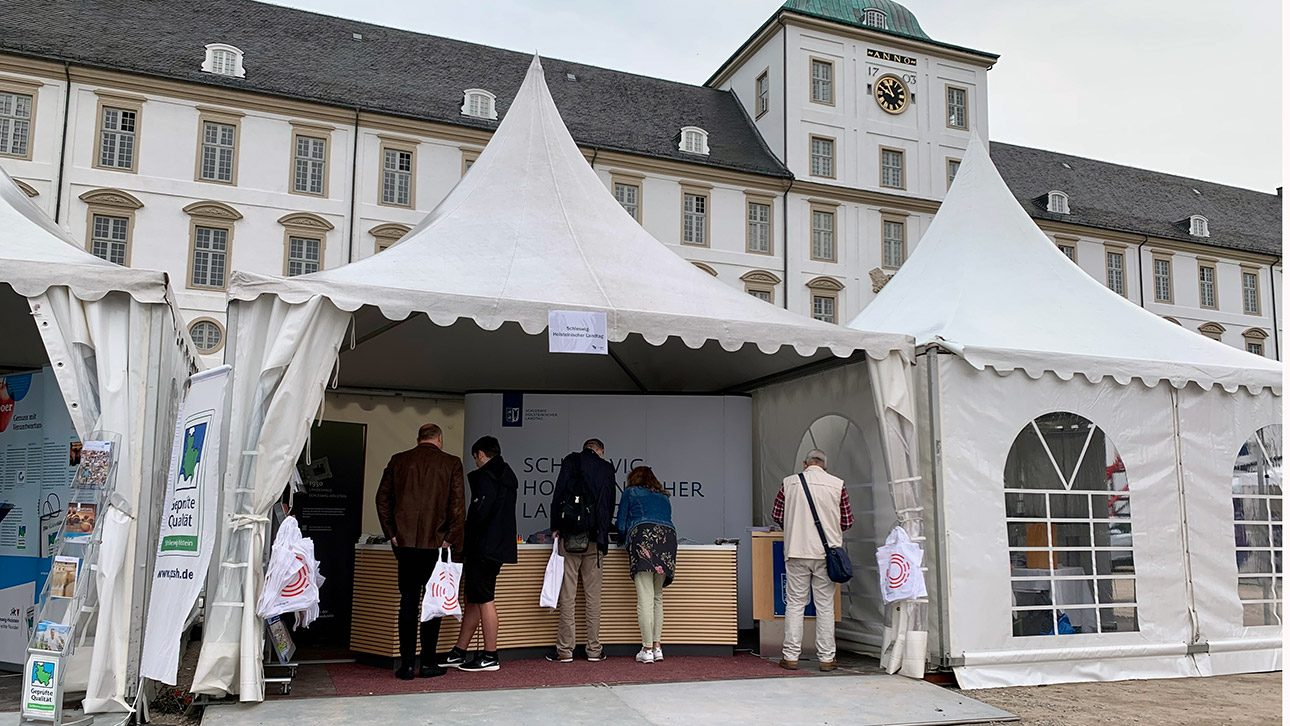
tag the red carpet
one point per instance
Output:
(351, 679)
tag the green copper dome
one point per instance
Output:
(898, 19)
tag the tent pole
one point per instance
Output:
(381, 330)
(938, 472)
(628, 371)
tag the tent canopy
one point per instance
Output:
(530, 229)
(987, 283)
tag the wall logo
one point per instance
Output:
(512, 410)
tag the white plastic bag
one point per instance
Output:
(441, 591)
(554, 578)
(900, 568)
(292, 579)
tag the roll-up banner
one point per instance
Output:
(187, 533)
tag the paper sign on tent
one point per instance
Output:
(577, 331)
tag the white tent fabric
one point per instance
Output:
(987, 286)
(988, 283)
(457, 304)
(120, 353)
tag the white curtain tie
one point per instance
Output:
(246, 521)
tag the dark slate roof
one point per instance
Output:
(308, 56)
(1138, 201)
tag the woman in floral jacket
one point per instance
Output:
(645, 528)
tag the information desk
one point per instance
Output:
(699, 608)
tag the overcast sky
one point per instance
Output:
(1190, 87)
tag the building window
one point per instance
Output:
(951, 171)
(893, 244)
(956, 107)
(893, 168)
(695, 221)
(15, 123)
(759, 227)
(207, 335)
(1164, 280)
(310, 171)
(1068, 248)
(304, 255)
(1199, 226)
(1254, 338)
(875, 18)
(821, 156)
(223, 60)
(210, 257)
(762, 294)
(763, 93)
(468, 158)
(821, 81)
(1069, 528)
(694, 140)
(823, 307)
(479, 103)
(398, 167)
(117, 133)
(1256, 505)
(1059, 203)
(219, 152)
(1115, 271)
(823, 227)
(1255, 348)
(387, 234)
(1250, 291)
(1213, 331)
(760, 284)
(629, 195)
(1208, 293)
(111, 238)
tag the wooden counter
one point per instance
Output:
(699, 608)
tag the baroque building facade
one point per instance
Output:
(199, 138)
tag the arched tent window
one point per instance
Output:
(1256, 506)
(1070, 536)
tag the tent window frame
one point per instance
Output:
(1257, 527)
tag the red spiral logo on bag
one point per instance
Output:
(897, 571)
(445, 588)
(297, 587)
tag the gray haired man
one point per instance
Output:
(804, 566)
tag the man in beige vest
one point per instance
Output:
(804, 555)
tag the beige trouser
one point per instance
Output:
(649, 606)
(585, 566)
(804, 577)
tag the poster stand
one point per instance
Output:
(70, 595)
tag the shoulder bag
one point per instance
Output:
(836, 559)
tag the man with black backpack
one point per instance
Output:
(582, 506)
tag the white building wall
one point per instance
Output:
(769, 59)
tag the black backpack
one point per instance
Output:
(575, 515)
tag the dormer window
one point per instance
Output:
(1059, 203)
(480, 104)
(223, 60)
(875, 19)
(694, 140)
(1199, 226)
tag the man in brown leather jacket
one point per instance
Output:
(421, 503)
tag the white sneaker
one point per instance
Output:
(645, 656)
(658, 654)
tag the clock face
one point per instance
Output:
(891, 94)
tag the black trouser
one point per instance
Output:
(415, 567)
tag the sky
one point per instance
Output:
(1188, 87)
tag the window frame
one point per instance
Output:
(492, 103)
(618, 177)
(833, 156)
(1248, 269)
(761, 281)
(110, 203)
(893, 216)
(1167, 258)
(223, 334)
(825, 287)
(317, 132)
(904, 176)
(697, 190)
(877, 13)
(1198, 230)
(949, 177)
(290, 235)
(208, 64)
(1255, 336)
(386, 235)
(23, 87)
(400, 144)
(761, 102)
(767, 200)
(1269, 519)
(831, 208)
(1202, 264)
(948, 116)
(1121, 251)
(1053, 196)
(697, 133)
(225, 117)
(469, 155)
(833, 81)
(120, 102)
(1064, 242)
(304, 225)
(1211, 330)
(212, 215)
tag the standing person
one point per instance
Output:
(804, 565)
(582, 506)
(490, 543)
(421, 503)
(645, 529)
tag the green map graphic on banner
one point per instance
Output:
(42, 673)
(181, 533)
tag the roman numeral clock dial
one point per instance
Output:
(891, 94)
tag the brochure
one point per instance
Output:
(96, 462)
(81, 517)
(283, 645)
(52, 636)
(62, 578)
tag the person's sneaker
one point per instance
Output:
(828, 665)
(557, 658)
(645, 656)
(431, 670)
(658, 654)
(482, 662)
(596, 658)
(452, 659)
(788, 665)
